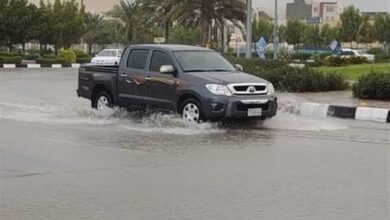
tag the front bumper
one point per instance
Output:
(220, 107)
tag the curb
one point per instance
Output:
(37, 66)
(346, 112)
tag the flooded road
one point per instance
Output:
(62, 160)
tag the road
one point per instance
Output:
(62, 160)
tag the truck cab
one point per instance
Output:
(195, 82)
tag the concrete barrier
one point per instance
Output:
(314, 110)
(33, 65)
(9, 66)
(56, 66)
(75, 65)
(371, 114)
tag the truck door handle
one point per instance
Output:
(148, 78)
(123, 74)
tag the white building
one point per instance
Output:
(329, 10)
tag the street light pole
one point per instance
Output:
(276, 32)
(248, 53)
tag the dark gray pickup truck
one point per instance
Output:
(195, 82)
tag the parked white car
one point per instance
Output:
(347, 53)
(108, 57)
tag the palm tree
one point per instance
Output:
(92, 23)
(129, 13)
(205, 13)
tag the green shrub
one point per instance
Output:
(83, 60)
(81, 54)
(7, 54)
(324, 55)
(50, 61)
(68, 55)
(335, 61)
(31, 57)
(10, 60)
(301, 56)
(290, 79)
(357, 60)
(49, 56)
(376, 51)
(373, 86)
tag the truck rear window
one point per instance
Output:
(137, 59)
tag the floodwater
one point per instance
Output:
(60, 159)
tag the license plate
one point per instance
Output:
(253, 112)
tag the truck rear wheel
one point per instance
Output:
(102, 101)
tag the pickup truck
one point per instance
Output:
(195, 82)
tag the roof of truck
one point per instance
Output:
(171, 47)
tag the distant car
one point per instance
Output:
(108, 57)
(348, 53)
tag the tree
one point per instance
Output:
(350, 24)
(328, 34)
(203, 13)
(295, 32)
(382, 27)
(128, 11)
(93, 22)
(19, 21)
(313, 36)
(366, 33)
(3, 10)
(282, 33)
(263, 28)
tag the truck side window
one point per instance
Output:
(137, 59)
(159, 59)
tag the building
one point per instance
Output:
(327, 11)
(299, 9)
(372, 15)
(260, 13)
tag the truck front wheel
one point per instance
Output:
(191, 110)
(102, 101)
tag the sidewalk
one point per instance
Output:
(342, 98)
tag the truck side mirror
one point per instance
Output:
(167, 69)
(239, 67)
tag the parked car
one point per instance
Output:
(108, 57)
(347, 53)
(196, 82)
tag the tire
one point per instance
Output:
(191, 110)
(102, 101)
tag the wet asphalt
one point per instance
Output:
(62, 160)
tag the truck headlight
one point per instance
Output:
(271, 89)
(218, 89)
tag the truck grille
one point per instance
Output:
(245, 107)
(248, 88)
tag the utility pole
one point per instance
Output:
(248, 53)
(276, 32)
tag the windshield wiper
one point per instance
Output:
(220, 70)
(196, 70)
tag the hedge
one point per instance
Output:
(50, 61)
(31, 57)
(7, 54)
(83, 60)
(291, 79)
(10, 60)
(373, 86)
(342, 61)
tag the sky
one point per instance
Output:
(363, 5)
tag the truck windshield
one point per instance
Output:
(202, 61)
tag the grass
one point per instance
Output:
(353, 72)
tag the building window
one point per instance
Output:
(329, 8)
(315, 9)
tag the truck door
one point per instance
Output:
(161, 87)
(132, 90)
